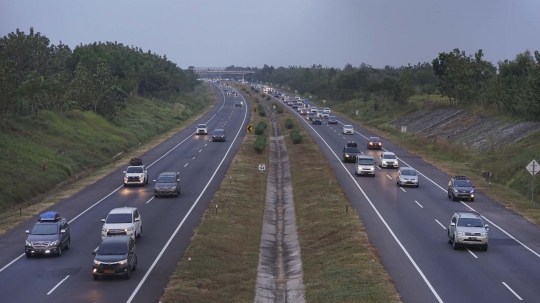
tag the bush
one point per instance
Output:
(252, 87)
(268, 98)
(295, 136)
(279, 109)
(263, 95)
(260, 144)
(262, 112)
(289, 123)
(256, 90)
(259, 129)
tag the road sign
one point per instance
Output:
(324, 101)
(255, 109)
(256, 100)
(262, 168)
(533, 167)
(403, 129)
(249, 128)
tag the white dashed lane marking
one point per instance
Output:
(403, 189)
(440, 223)
(186, 164)
(418, 204)
(389, 177)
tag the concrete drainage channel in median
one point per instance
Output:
(279, 274)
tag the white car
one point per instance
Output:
(348, 129)
(365, 165)
(326, 110)
(388, 159)
(407, 176)
(122, 221)
(136, 175)
(313, 109)
(202, 129)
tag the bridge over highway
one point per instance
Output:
(221, 71)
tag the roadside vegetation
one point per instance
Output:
(220, 264)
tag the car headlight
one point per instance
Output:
(384, 161)
(54, 243)
(484, 234)
(346, 156)
(460, 233)
(28, 243)
(472, 191)
(173, 188)
(455, 190)
(129, 229)
(96, 262)
(125, 177)
(122, 262)
(372, 168)
(141, 176)
(104, 230)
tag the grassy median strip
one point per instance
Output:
(220, 264)
(339, 262)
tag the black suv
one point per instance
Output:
(460, 187)
(238, 104)
(218, 135)
(316, 120)
(115, 256)
(167, 184)
(48, 236)
(350, 152)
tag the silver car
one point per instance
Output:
(407, 176)
(348, 129)
(365, 165)
(467, 229)
(388, 159)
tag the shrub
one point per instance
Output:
(279, 109)
(252, 87)
(289, 123)
(259, 129)
(268, 98)
(263, 95)
(262, 112)
(256, 90)
(295, 136)
(260, 144)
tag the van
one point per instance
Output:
(313, 109)
(365, 165)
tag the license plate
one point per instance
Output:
(109, 271)
(472, 238)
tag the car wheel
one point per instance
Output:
(146, 180)
(373, 175)
(140, 233)
(125, 185)
(472, 200)
(449, 239)
(455, 246)
(485, 247)
(128, 274)
(135, 266)
(454, 197)
(29, 255)
(449, 195)
(68, 244)
(96, 277)
(156, 196)
(417, 185)
(59, 253)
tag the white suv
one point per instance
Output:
(388, 159)
(202, 129)
(122, 221)
(348, 129)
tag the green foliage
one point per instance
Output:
(296, 137)
(263, 95)
(260, 144)
(259, 129)
(289, 123)
(261, 110)
(279, 109)
(268, 98)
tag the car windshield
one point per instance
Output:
(351, 149)
(365, 161)
(45, 229)
(347, 126)
(119, 218)
(374, 139)
(462, 183)
(408, 172)
(201, 126)
(389, 156)
(470, 222)
(332, 117)
(134, 170)
(218, 132)
(112, 249)
(166, 179)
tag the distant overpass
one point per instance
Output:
(221, 71)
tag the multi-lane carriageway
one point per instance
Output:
(408, 227)
(167, 222)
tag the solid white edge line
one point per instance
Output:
(188, 213)
(439, 222)
(510, 289)
(403, 189)
(471, 253)
(418, 204)
(69, 222)
(383, 221)
(50, 292)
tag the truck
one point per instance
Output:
(136, 173)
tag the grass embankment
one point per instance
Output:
(510, 182)
(78, 148)
(338, 261)
(224, 249)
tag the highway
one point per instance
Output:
(408, 227)
(168, 223)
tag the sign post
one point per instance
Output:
(262, 170)
(403, 131)
(533, 168)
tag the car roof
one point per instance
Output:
(116, 239)
(347, 125)
(388, 153)
(365, 157)
(122, 210)
(219, 130)
(406, 168)
(167, 173)
(202, 124)
(467, 214)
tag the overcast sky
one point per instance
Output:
(219, 33)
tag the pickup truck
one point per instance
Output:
(136, 173)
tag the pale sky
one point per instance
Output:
(219, 33)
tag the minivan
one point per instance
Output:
(365, 165)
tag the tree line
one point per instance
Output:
(35, 75)
(513, 85)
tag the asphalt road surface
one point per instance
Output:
(168, 223)
(408, 226)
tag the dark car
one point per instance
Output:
(350, 152)
(316, 120)
(332, 120)
(460, 187)
(303, 111)
(218, 135)
(238, 103)
(48, 236)
(310, 116)
(115, 256)
(167, 184)
(374, 143)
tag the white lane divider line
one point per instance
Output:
(206, 144)
(22, 255)
(344, 138)
(439, 222)
(200, 150)
(362, 153)
(379, 168)
(510, 289)
(389, 177)
(186, 164)
(471, 253)
(149, 200)
(418, 204)
(193, 158)
(403, 189)
(57, 285)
